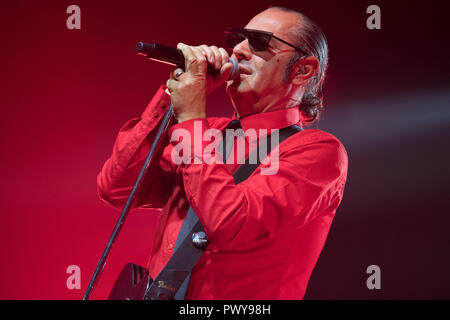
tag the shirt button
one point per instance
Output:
(155, 115)
(170, 246)
(163, 106)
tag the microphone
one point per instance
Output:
(174, 56)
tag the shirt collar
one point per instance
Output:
(277, 119)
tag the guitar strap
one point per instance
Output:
(172, 282)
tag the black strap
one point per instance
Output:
(173, 280)
(246, 169)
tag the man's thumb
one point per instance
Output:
(225, 71)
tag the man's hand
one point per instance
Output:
(188, 89)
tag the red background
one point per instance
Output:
(65, 94)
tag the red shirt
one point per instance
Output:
(265, 233)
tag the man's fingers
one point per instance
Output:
(200, 60)
(208, 53)
(195, 60)
(172, 85)
(217, 57)
(226, 71)
(225, 56)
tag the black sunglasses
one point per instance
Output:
(258, 40)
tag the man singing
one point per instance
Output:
(266, 233)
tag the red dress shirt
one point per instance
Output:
(265, 233)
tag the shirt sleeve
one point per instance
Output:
(309, 182)
(119, 173)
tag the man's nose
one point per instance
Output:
(242, 50)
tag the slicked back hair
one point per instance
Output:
(309, 37)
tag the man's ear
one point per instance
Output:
(305, 69)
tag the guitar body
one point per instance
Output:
(132, 283)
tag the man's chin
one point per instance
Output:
(237, 87)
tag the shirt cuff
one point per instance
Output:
(157, 107)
